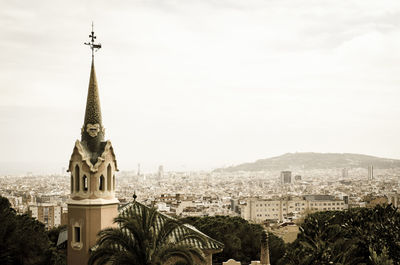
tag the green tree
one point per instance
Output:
(143, 237)
(7, 231)
(358, 236)
(242, 239)
(23, 240)
(58, 256)
(382, 259)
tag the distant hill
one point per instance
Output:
(309, 161)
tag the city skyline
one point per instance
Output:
(192, 85)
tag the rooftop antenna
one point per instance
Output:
(93, 46)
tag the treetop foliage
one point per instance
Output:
(242, 239)
(24, 240)
(144, 238)
(357, 236)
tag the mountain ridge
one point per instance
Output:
(312, 160)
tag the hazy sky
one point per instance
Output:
(200, 84)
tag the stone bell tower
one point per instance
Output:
(92, 205)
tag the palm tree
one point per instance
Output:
(145, 237)
(382, 259)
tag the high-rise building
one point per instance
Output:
(286, 177)
(345, 173)
(92, 205)
(47, 213)
(160, 171)
(370, 172)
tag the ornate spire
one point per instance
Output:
(264, 255)
(93, 130)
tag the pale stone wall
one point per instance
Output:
(258, 210)
(93, 173)
(91, 219)
(231, 262)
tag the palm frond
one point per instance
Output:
(144, 237)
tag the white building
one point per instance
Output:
(280, 209)
(47, 213)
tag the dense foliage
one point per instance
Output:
(23, 240)
(58, 254)
(143, 237)
(242, 239)
(358, 236)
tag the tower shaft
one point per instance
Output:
(92, 205)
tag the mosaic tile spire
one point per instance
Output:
(93, 130)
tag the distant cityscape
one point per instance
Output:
(234, 133)
(276, 197)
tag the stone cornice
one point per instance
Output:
(92, 202)
(86, 156)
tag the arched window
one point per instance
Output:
(101, 183)
(85, 183)
(109, 177)
(77, 178)
(72, 183)
(113, 182)
(77, 234)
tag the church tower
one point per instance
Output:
(92, 205)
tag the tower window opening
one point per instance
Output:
(77, 178)
(72, 183)
(109, 177)
(113, 182)
(101, 183)
(77, 234)
(85, 183)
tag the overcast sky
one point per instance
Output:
(200, 84)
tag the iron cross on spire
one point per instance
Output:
(93, 46)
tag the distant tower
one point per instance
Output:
(160, 171)
(345, 173)
(264, 255)
(138, 169)
(286, 177)
(92, 205)
(370, 172)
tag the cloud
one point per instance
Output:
(180, 78)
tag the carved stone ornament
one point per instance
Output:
(86, 157)
(93, 129)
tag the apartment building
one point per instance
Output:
(47, 213)
(280, 209)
